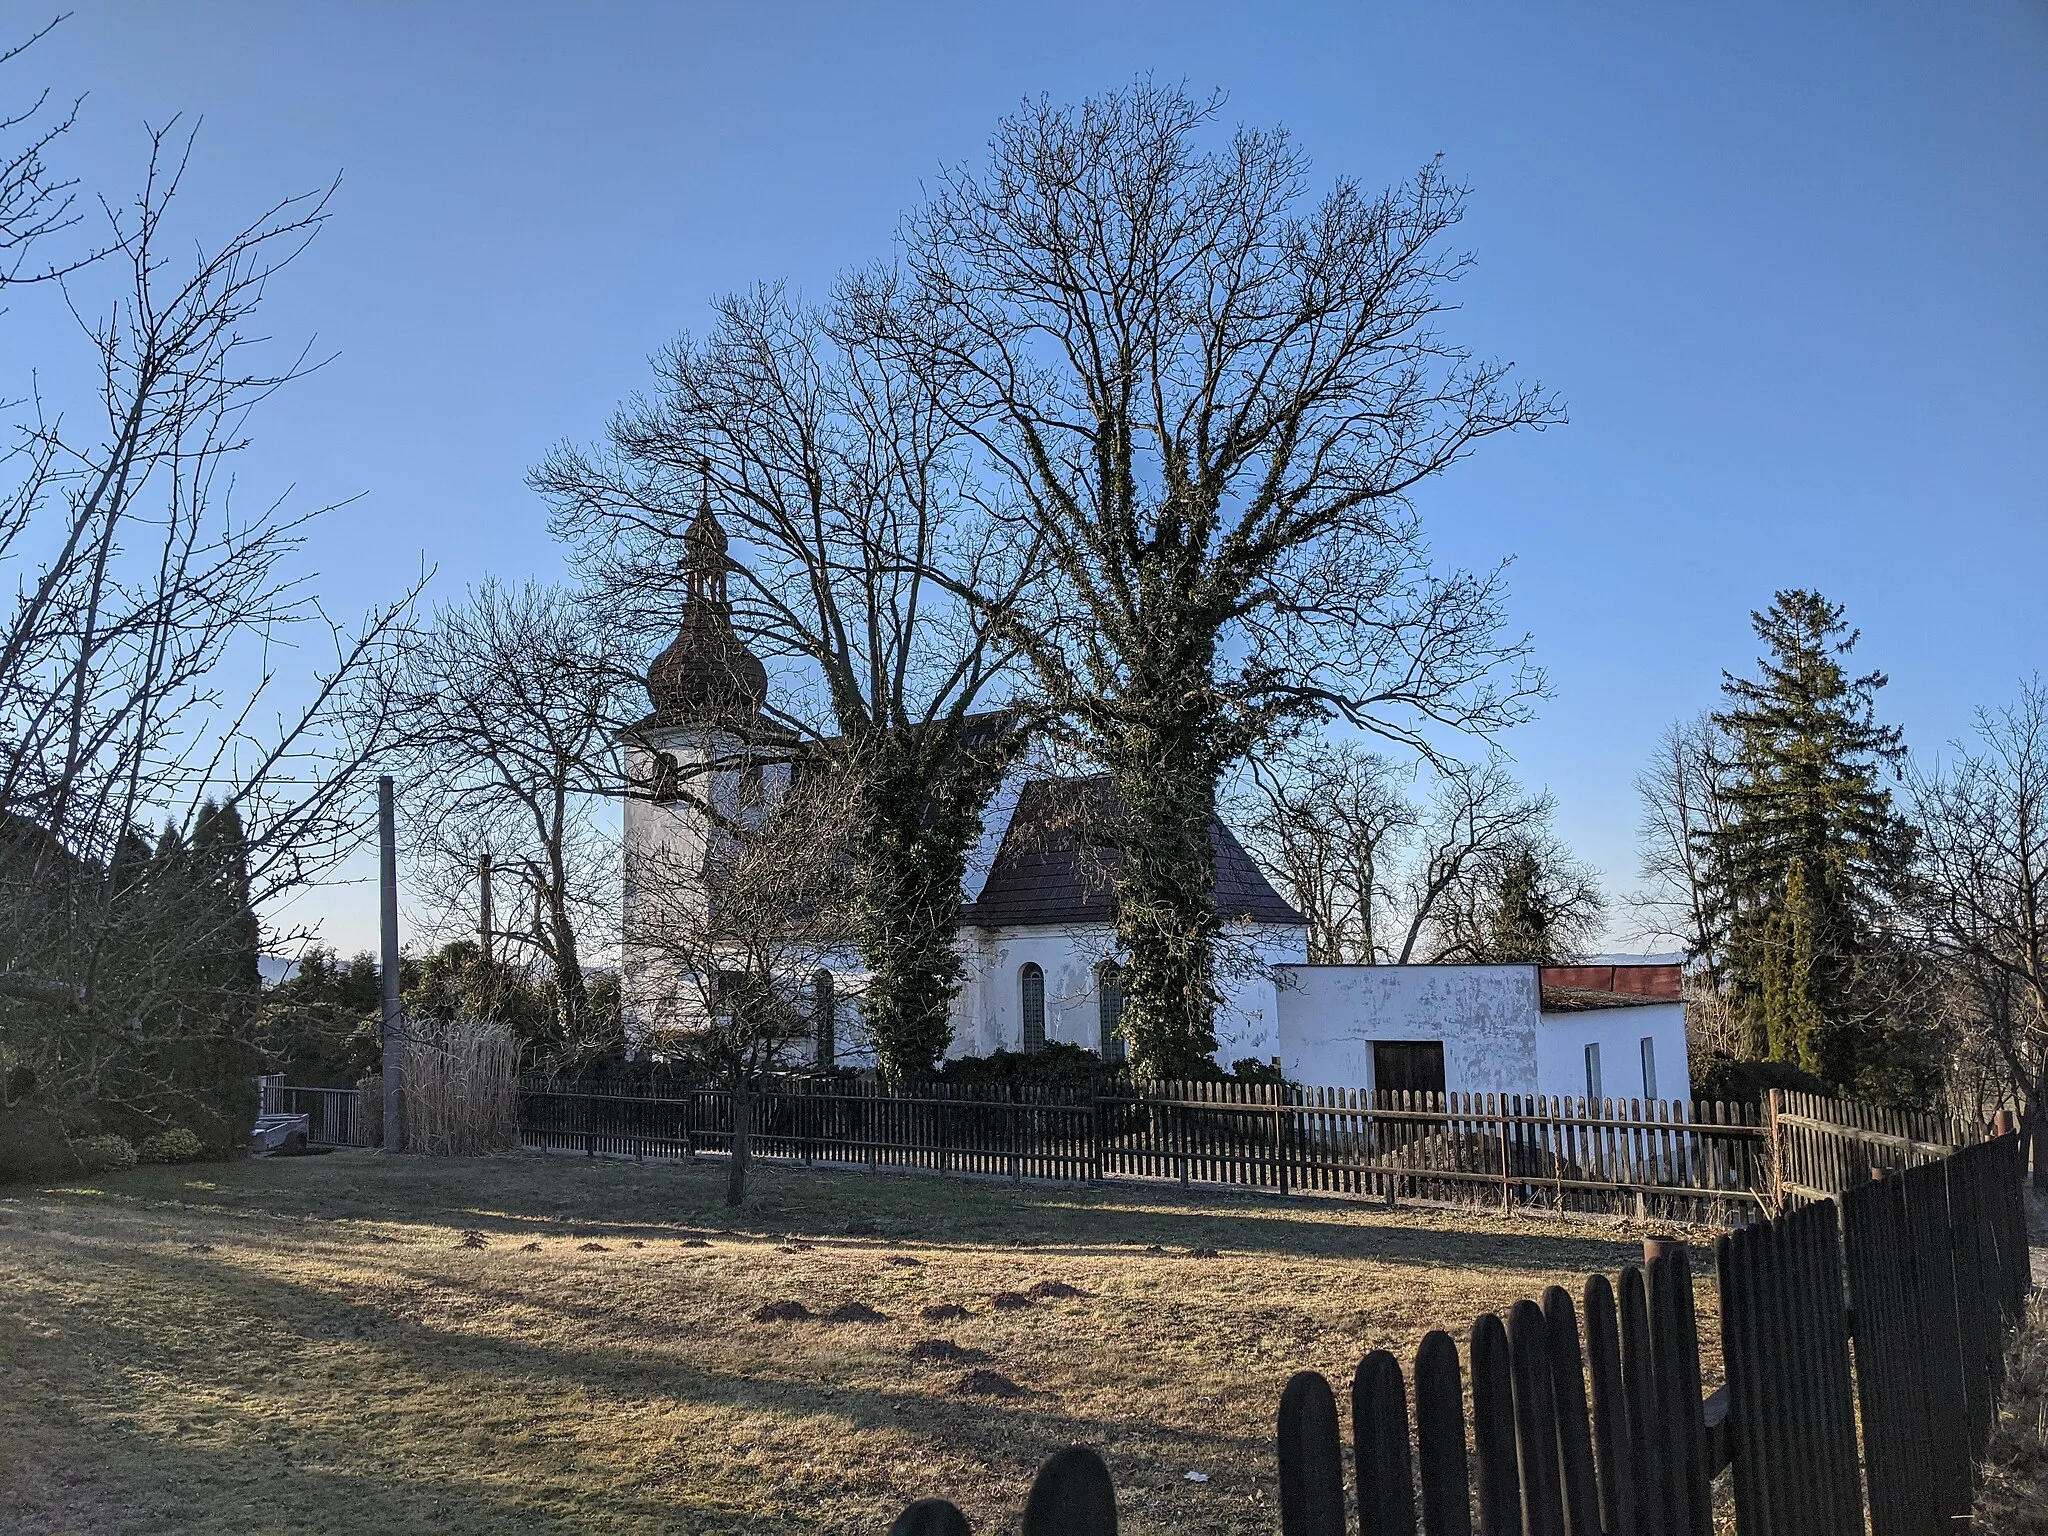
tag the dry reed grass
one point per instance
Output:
(555, 1344)
(2012, 1498)
(461, 1089)
(2012, 1495)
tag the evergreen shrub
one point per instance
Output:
(1746, 1082)
(104, 1154)
(177, 1145)
(1056, 1065)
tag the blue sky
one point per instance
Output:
(1784, 263)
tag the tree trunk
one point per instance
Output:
(742, 1159)
(1166, 884)
(923, 792)
(572, 996)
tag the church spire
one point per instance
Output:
(707, 672)
(704, 545)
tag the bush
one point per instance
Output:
(1056, 1065)
(1746, 1082)
(177, 1145)
(1250, 1069)
(104, 1154)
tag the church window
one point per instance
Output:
(667, 785)
(1109, 1002)
(1031, 983)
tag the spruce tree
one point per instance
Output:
(1522, 917)
(1809, 874)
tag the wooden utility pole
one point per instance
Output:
(387, 971)
(483, 909)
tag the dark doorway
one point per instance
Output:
(1408, 1066)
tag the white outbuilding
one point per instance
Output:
(1594, 1031)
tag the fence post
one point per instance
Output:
(1280, 1138)
(1095, 1137)
(1011, 1124)
(1507, 1188)
(1772, 1142)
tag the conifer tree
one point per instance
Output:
(1522, 918)
(227, 936)
(1809, 873)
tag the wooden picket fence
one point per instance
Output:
(1826, 1146)
(1586, 1417)
(1705, 1162)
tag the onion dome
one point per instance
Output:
(706, 672)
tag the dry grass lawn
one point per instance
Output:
(315, 1344)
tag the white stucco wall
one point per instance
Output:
(1619, 1032)
(988, 1010)
(1486, 1016)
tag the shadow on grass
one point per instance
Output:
(256, 1477)
(535, 1195)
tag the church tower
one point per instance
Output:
(707, 690)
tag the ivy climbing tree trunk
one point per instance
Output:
(1209, 401)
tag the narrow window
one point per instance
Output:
(1593, 1072)
(1109, 1001)
(1649, 1068)
(824, 1019)
(1031, 982)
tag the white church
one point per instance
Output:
(1038, 940)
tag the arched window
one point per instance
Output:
(1109, 1004)
(1031, 984)
(824, 1018)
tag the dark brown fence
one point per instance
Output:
(1019, 1133)
(1587, 1417)
(1707, 1162)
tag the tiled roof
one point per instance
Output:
(1054, 865)
(1573, 988)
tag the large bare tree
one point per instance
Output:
(1213, 395)
(1329, 822)
(1984, 873)
(504, 719)
(1683, 808)
(872, 569)
(164, 660)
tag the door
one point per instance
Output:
(1408, 1066)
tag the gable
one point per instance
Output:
(1054, 865)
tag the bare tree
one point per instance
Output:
(1682, 808)
(163, 660)
(504, 720)
(826, 453)
(1330, 821)
(1213, 399)
(1984, 871)
(35, 201)
(1478, 819)
(1528, 901)
(727, 938)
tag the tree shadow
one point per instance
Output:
(543, 1195)
(619, 1380)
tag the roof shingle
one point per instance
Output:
(1055, 865)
